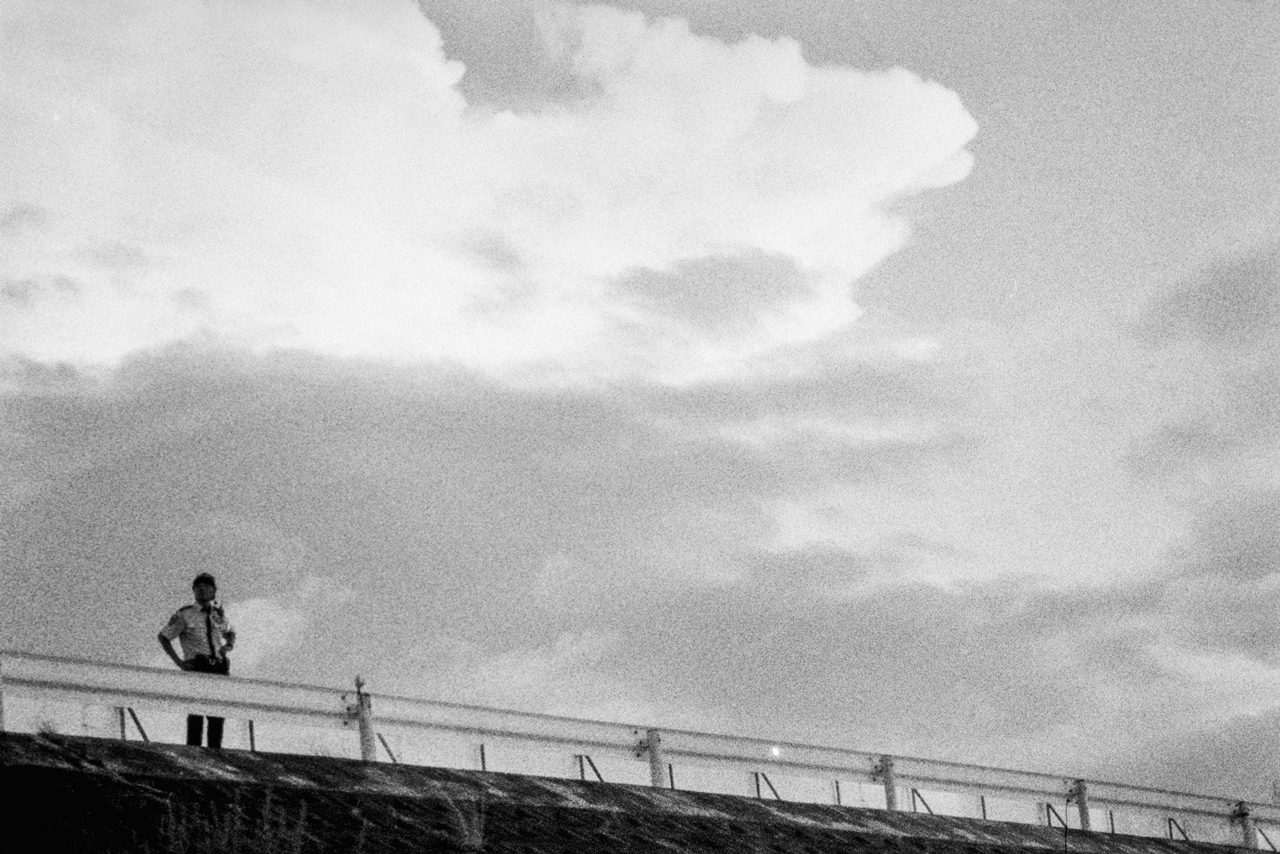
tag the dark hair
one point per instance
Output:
(205, 578)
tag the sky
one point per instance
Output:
(901, 375)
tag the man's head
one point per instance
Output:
(204, 588)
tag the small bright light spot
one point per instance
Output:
(776, 751)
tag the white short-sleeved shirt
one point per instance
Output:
(199, 631)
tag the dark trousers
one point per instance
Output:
(195, 723)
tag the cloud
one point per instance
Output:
(1211, 599)
(21, 216)
(1236, 758)
(314, 169)
(1233, 425)
(715, 291)
(265, 470)
(1236, 538)
(276, 627)
(766, 654)
(27, 293)
(115, 256)
(833, 383)
(1218, 585)
(811, 570)
(1234, 300)
(1214, 350)
(567, 675)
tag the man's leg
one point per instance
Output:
(215, 733)
(195, 729)
(222, 668)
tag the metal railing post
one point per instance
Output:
(1079, 794)
(362, 711)
(884, 771)
(659, 774)
(1241, 818)
(651, 744)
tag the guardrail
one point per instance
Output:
(124, 687)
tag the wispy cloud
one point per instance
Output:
(22, 215)
(1233, 300)
(278, 627)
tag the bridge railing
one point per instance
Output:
(1096, 804)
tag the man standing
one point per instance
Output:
(206, 638)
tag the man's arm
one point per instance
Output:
(168, 647)
(166, 636)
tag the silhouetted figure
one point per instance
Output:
(206, 637)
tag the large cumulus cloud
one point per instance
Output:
(309, 174)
